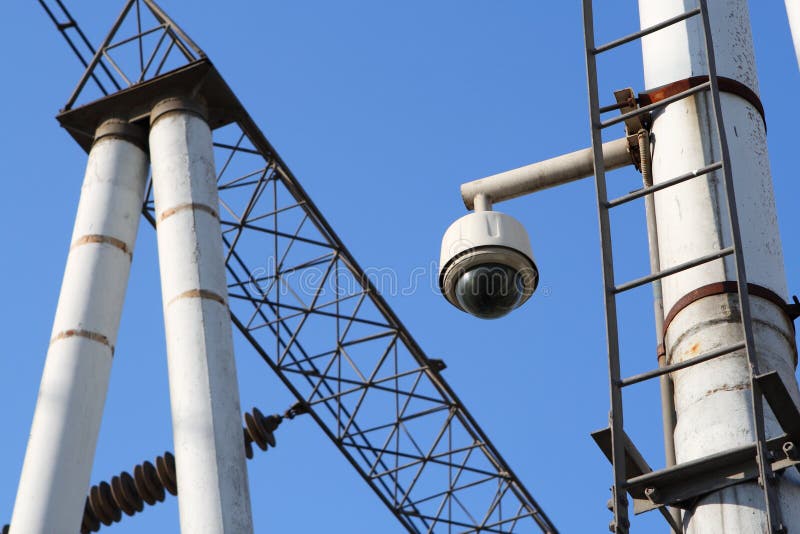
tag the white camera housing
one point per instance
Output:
(496, 247)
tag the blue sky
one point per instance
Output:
(381, 110)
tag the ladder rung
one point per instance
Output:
(660, 104)
(663, 185)
(635, 379)
(647, 31)
(673, 270)
(613, 107)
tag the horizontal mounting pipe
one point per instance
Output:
(545, 174)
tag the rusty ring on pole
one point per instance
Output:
(726, 85)
(661, 353)
(721, 288)
(116, 128)
(729, 286)
(87, 334)
(194, 105)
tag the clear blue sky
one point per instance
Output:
(381, 110)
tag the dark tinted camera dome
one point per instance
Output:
(490, 290)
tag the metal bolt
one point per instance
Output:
(652, 494)
(619, 529)
(437, 364)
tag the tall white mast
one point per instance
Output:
(66, 423)
(214, 496)
(712, 400)
(793, 12)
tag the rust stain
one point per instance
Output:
(694, 350)
(737, 387)
(105, 239)
(77, 332)
(198, 293)
(189, 206)
(726, 85)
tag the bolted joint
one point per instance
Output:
(790, 450)
(298, 408)
(437, 364)
(621, 528)
(652, 494)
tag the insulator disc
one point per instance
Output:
(125, 494)
(255, 431)
(165, 466)
(90, 522)
(248, 445)
(146, 480)
(102, 504)
(264, 426)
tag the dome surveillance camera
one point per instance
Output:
(486, 266)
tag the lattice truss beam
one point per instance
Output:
(314, 316)
(142, 44)
(316, 319)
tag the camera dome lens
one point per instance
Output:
(490, 290)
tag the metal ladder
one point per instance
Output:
(684, 482)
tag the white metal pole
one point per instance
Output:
(545, 174)
(58, 461)
(712, 400)
(793, 12)
(213, 492)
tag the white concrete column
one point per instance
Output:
(58, 462)
(712, 400)
(213, 492)
(793, 13)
